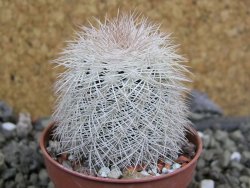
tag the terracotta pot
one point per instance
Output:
(64, 178)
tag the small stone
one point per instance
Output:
(229, 144)
(206, 140)
(31, 186)
(246, 171)
(235, 156)
(115, 173)
(19, 178)
(176, 166)
(145, 173)
(1, 160)
(5, 112)
(42, 123)
(220, 135)
(212, 142)
(237, 165)
(235, 173)
(10, 173)
(8, 126)
(246, 154)
(243, 185)
(237, 135)
(103, 172)
(208, 154)
(233, 181)
(245, 179)
(207, 183)
(10, 184)
(43, 177)
(51, 185)
(71, 158)
(168, 165)
(1, 182)
(225, 158)
(201, 163)
(33, 178)
(67, 165)
(165, 170)
(2, 140)
(24, 126)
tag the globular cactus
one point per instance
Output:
(120, 99)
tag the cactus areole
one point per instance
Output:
(120, 99)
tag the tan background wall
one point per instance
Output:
(214, 36)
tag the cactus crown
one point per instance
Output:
(120, 100)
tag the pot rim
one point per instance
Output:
(110, 180)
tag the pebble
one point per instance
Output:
(24, 126)
(225, 159)
(246, 154)
(103, 172)
(206, 140)
(207, 183)
(201, 163)
(1, 161)
(8, 126)
(5, 111)
(237, 135)
(220, 135)
(51, 185)
(10, 173)
(31, 186)
(42, 123)
(43, 177)
(33, 178)
(235, 156)
(10, 184)
(167, 171)
(237, 165)
(164, 170)
(176, 166)
(67, 165)
(115, 173)
(245, 179)
(19, 179)
(145, 173)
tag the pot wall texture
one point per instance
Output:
(214, 37)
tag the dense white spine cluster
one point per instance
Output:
(120, 100)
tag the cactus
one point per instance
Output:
(120, 99)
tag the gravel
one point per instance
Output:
(225, 159)
(21, 162)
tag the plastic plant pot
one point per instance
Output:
(65, 178)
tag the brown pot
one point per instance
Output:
(64, 178)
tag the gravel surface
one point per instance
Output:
(225, 160)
